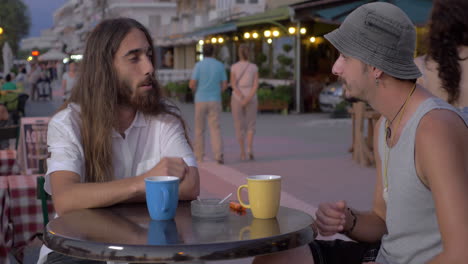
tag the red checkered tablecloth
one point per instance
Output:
(25, 210)
(21, 214)
(5, 225)
(8, 164)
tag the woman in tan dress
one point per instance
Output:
(244, 83)
(445, 67)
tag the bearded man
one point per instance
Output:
(116, 129)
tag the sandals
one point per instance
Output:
(250, 156)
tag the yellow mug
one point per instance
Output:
(264, 195)
(260, 228)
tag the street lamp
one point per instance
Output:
(1, 30)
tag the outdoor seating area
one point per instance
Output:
(233, 131)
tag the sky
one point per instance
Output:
(41, 12)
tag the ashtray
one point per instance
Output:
(209, 208)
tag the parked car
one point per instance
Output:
(331, 96)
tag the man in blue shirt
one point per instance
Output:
(207, 82)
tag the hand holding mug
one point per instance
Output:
(170, 166)
(162, 196)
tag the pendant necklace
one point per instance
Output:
(390, 136)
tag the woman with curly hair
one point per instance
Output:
(445, 68)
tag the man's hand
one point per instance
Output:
(170, 167)
(331, 218)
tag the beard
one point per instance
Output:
(146, 101)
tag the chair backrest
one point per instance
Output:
(42, 195)
(9, 132)
(22, 98)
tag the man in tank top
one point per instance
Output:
(420, 207)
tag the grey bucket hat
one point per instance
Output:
(379, 34)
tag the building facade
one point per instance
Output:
(76, 19)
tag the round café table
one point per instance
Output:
(126, 233)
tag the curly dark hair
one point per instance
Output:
(448, 31)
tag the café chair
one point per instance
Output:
(42, 195)
(15, 104)
(10, 132)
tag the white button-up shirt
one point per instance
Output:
(146, 142)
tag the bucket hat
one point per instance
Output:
(379, 34)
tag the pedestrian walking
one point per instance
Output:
(244, 83)
(68, 80)
(207, 82)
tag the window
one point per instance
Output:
(254, 1)
(240, 1)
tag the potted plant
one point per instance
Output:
(341, 110)
(277, 98)
(177, 90)
(284, 71)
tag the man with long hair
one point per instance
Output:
(445, 68)
(116, 128)
(420, 205)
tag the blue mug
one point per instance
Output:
(163, 233)
(162, 196)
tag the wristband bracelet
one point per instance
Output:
(350, 230)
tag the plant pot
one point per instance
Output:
(272, 105)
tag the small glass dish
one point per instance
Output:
(209, 208)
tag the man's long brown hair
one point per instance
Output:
(448, 31)
(98, 92)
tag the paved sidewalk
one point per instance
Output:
(310, 151)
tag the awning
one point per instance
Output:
(336, 11)
(192, 37)
(175, 41)
(277, 14)
(216, 29)
(53, 55)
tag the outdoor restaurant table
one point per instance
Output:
(8, 164)
(126, 233)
